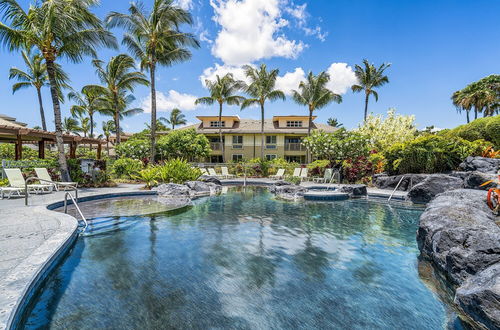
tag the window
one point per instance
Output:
(271, 157)
(271, 142)
(217, 124)
(294, 123)
(237, 141)
(237, 158)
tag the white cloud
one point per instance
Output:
(174, 99)
(342, 77)
(185, 4)
(251, 30)
(204, 36)
(290, 81)
(299, 12)
(317, 32)
(221, 70)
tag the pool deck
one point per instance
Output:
(30, 237)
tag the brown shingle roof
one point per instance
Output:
(253, 126)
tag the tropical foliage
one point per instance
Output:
(483, 96)
(185, 144)
(176, 118)
(481, 129)
(337, 146)
(127, 168)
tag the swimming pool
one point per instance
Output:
(245, 260)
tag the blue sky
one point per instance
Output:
(435, 48)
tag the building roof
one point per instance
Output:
(251, 126)
(10, 121)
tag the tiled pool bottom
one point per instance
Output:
(244, 260)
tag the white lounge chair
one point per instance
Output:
(225, 173)
(279, 175)
(43, 174)
(296, 172)
(303, 174)
(16, 180)
(327, 177)
(212, 172)
(10, 191)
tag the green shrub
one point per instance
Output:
(183, 143)
(293, 179)
(148, 176)
(7, 151)
(126, 168)
(429, 154)
(317, 168)
(480, 129)
(176, 171)
(278, 163)
(4, 182)
(134, 148)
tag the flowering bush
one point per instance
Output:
(385, 132)
(134, 148)
(183, 143)
(359, 169)
(126, 167)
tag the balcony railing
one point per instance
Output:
(215, 146)
(294, 147)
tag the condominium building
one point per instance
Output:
(242, 137)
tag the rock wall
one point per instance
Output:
(459, 235)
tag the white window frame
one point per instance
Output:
(294, 123)
(237, 145)
(237, 160)
(217, 124)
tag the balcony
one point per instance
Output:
(216, 146)
(294, 147)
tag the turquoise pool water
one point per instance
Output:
(244, 260)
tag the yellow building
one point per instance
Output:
(242, 139)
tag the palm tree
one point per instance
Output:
(119, 77)
(369, 78)
(314, 94)
(261, 88)
(118, 107)
(334, 122)
(58, 29)
(176, 118)
(87, 103)
(222, 90)
(36, 76)
(70, 125)
(155, 39)
(108, 128)
(160, 126)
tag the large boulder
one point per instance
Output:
(200, 187)
(474, 180)
(208, 178)
(390, 182)
(289, 192)
(479, 298)
(432, 185)
(354, 190)
(480, 164)
(172, 189)
(457, 233)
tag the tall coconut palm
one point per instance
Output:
(36, 76)
(118, 106)
(369, 77)
(222, 90)
(176, 118)
(261, 89)
(108, 128)
(71, 125)
(87, 103)
(155, 39)
(118, 77)
(57, 29)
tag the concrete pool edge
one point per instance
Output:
(17, 292)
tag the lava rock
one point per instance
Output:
(208, 178)
(200, 187)
(289, 192)
(479, 298)
(354, 190)
(458, 234)
(390, 182)
(282, 183)
(432, 185)
(480, 164)
(474, 180)
(172, 189)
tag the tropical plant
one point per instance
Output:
(493, 196)
(87, 104)
(261, 89)
(71, 125)
(334, 122)
(314, 94)
(148, 176)
(185, 143)
(384, 132)
(133, 148)
(127, 168)
(482, 96)
(222, 90)
(176, 118)
(369, 77)
(155, 39)
(160, 126)
(177, 170)
(57, 29)
(108, 128)
(36, 76)
(119, 78)
(480, 129)
(490, 152)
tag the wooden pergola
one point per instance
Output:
(19, 135)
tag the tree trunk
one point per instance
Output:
(468, 119)
(367, 95)
(153, 113)
(309, 156)
(63, 166)
(107, 146)
(42, 113)
(91, 116)
(220, 132)
(117, 126)
(262, 131)
(475, 113)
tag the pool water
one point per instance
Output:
(244, 260)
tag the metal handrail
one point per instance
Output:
(397, 186)
(34, 178)
(76, 207)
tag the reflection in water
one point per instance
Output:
(245, 260)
